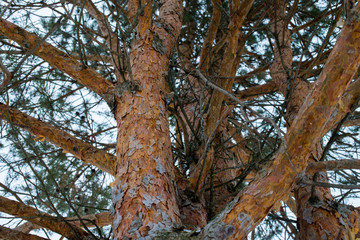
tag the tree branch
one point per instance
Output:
(210, 36)
(91, 220)
(348, 99)
(238, 12)
(58, 59)
(11, 234)
(256, 91)
(274, 184)
(333, 165)
(331, 185)
(42, 219)
(112, 39)
(45, 131)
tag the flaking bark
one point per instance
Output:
(274, 184)
(143, 194)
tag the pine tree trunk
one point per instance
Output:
(144, 197)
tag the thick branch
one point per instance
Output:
(45, 220)
(44, 131)
(11, 234)
(238, 12)
(254, 203)
(58, 59)
(333, 165)
(256, 91)
(349, 98)
(352, 122)
(92, 220)
(331, 185)
(210, 37)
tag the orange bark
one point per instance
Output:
(320, 217)
(143, 192)
(45, 131)
(58, 59)
(11, 234)
(238, 12)
(256, 91)
(205, 56)
(316, 221)
(347, 101)
(274, 184)
(92, 220)
(333, 165)
(45, 220)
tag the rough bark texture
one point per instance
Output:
(239, 10)
(313, 203)
(274, 184)
(149, 195)
(143, 194)
(320, 217)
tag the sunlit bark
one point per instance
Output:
(313, 203)
(149, 194)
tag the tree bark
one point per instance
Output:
(58, 59)
(238, 12)
(275, 183)
(313, 203)
(45, 220)
(11, 234)
(45, 131)
(92, 220)
(144, 196)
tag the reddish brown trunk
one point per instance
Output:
(144, 197)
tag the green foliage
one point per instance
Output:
(57, 183)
